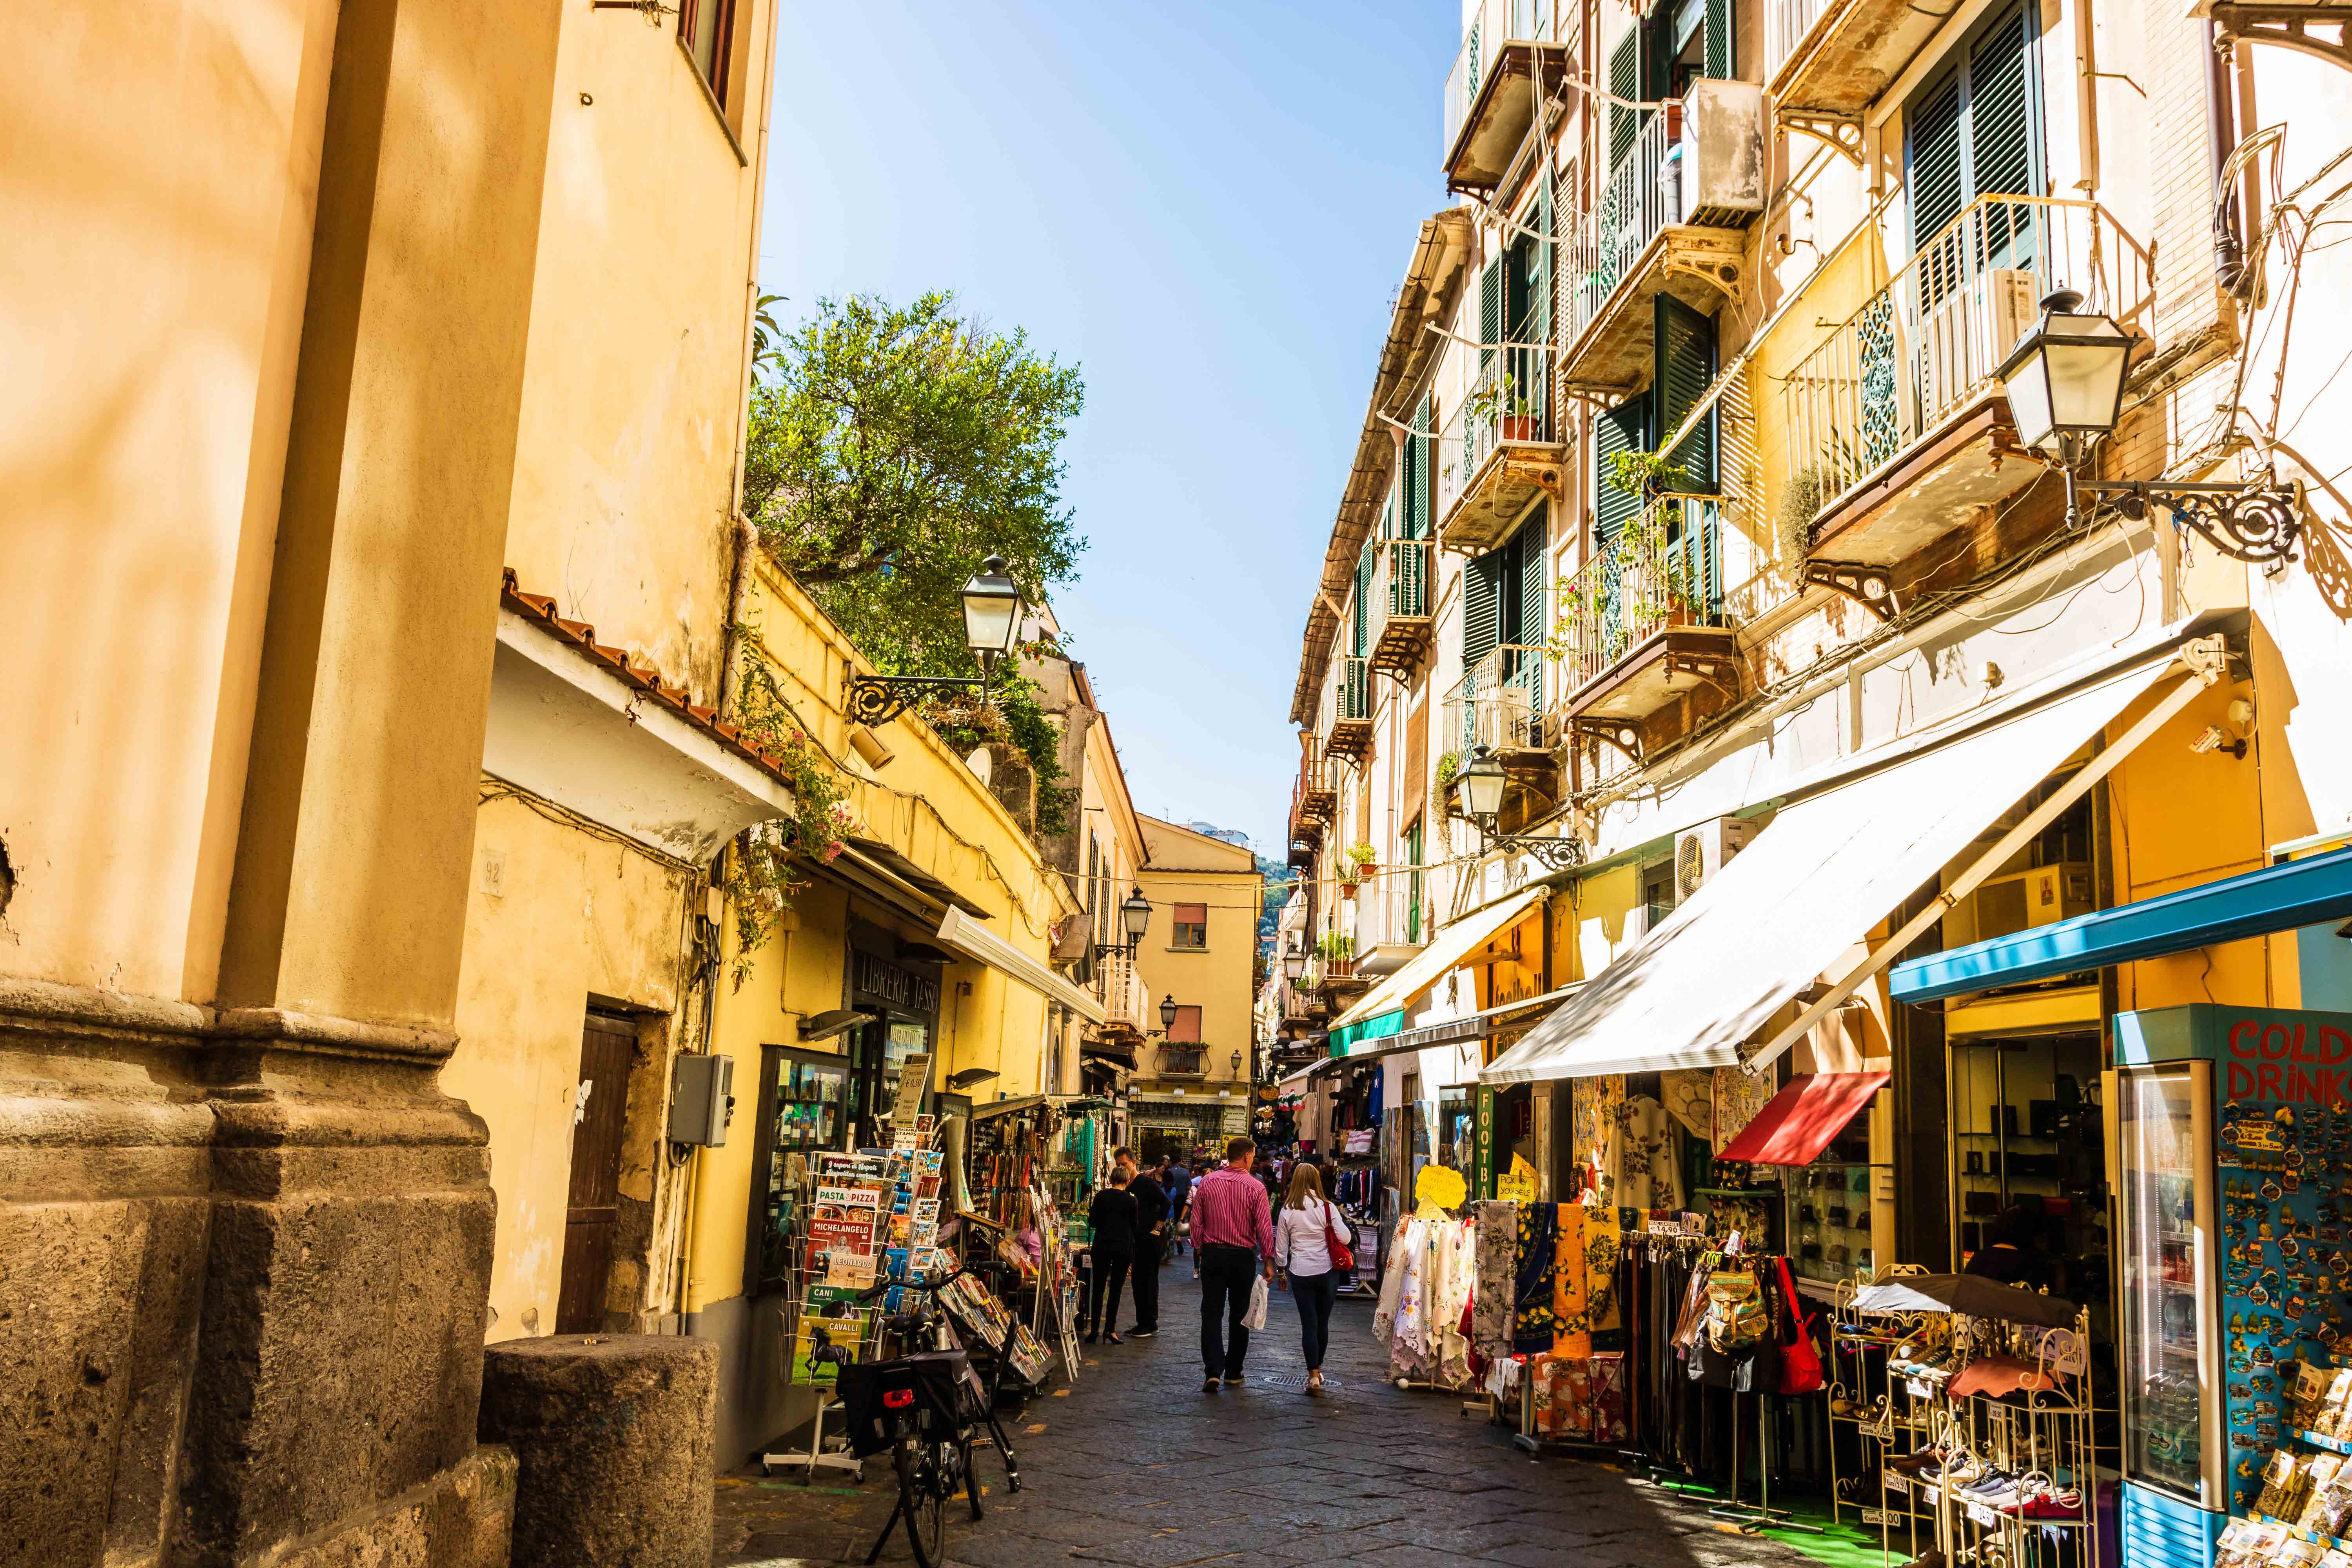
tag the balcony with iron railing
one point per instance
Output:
(1643, 623)
(1826, 61)
(1499, 703)
(1124, 997)
(1505, 442)
(1180, 1061)
(1345, 721)
(1507, 64)
(1899, 432)
(1670, 220)
(1315, 797)
(1391, 920)
(1398, 611)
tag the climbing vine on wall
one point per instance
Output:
(766, 865)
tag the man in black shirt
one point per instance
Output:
(1150, 1238)
(1178, 1184)
(1112, 1217)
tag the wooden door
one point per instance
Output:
(607, 1047)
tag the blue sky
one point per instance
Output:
(1207, 207)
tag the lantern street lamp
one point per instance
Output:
(1134, 920)
(1294, 959)
(2065, 381)
(991, 625)
(1237, 1064)
(1167, 1012)
(1479, 788)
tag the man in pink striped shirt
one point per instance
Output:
(1232, 1238)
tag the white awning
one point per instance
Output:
(1446, 951)
(1298, 1082)
(966, 935)
(1813, 883)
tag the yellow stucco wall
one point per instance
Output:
(578, 918)
(925, 802)
(1185, 867)
(152, 290)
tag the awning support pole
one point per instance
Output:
(2207, 660)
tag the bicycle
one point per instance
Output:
(929, 1410)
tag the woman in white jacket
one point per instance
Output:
(1299, 1248)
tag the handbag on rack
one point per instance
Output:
(1801, 1362)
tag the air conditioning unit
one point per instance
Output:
(2012, 304)
(2039, 897)
(1701, 851)
(1723, 173)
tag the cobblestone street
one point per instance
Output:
(1138, 1467)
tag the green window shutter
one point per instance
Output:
(1529, 560)
(1539, 285)
(1362, 617)
(1490, 310)
(1416, 474)
(1624, 428)
(1625, 83)
(1719, 46)
(2001, 118)
(1936, 177)
(1686, 368)
(1482, 582)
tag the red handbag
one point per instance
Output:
(1800, 1363)
(1342, 1256)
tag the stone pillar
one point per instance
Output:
(245, 1241)
(614, 1436)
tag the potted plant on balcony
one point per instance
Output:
(1354, 867)
(1338, 951)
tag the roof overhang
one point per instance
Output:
(570, 728)
(1439, 257)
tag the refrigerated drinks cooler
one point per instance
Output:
(2232, 1136)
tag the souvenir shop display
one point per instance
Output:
(2236, 1278)
(866, 1218)
(1970, 1401)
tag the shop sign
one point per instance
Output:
(2299, 1063)
(1484, 1168)
(899, 987)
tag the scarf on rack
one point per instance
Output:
(1603, 1242)
(1571, 1326)
(1531, 1326)
(1492, 1300)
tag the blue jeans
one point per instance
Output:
(1316, 1294)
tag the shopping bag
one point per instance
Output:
(1255, 1317)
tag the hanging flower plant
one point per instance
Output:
(764, 866)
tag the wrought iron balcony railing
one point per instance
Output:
(1665, 570)
(1924, 347)
(1397, 613)
(1182, 1061)
(1512, 401)
(1492, 25)
(1499, 703)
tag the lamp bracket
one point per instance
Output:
(2288, 27)
(1865, 585)
(1551, 853)
(2255, 524)
(1841, 131)
(875, 700)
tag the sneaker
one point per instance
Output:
(1233, 1380)
(1141, 1333)
(1209, 1386)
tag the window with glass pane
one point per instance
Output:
(1192, 925)
(2165, 1284)
(707, 29)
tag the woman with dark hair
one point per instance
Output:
(1299, 1248)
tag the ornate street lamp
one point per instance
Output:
(991, 625)
(1479, 787)
(1167, 1012)
(2065, 381)
(1134, 920)
(1294, 960)
(1237, 1064)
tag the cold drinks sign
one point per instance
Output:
(2294, 1059)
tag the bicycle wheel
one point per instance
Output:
(970, 1474)
(923, 1499)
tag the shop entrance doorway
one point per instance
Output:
(608, 1045)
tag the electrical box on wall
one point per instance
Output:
(701, 1100)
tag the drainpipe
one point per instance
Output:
(2086, 62)
(2222, 137)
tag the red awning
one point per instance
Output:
(1798, 1122)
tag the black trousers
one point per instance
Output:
(1316, 1294)
(1102, 1293)
(1146, 1283)
(1225, 1276)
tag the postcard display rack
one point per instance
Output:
(871, 1217)
(1944, 1406)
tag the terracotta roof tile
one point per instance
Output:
(541, 609)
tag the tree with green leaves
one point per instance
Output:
(891, 449)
